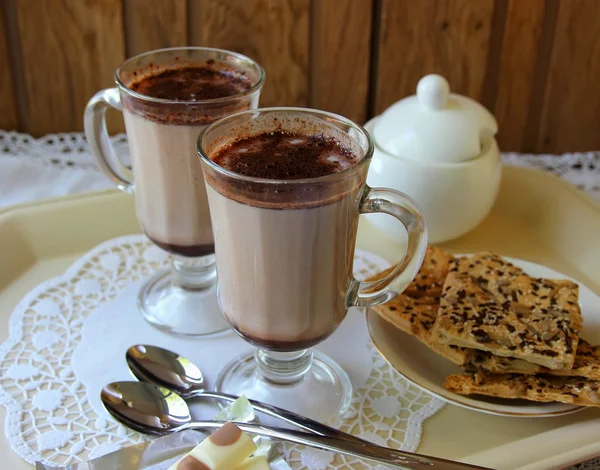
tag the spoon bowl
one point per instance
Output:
(152, 409)
(166, 368)
(146, 407)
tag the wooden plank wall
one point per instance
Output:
(533, 63)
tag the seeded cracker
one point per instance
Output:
(540, 388)
(415, 310)
(416, 317)
(491, 305)
(587, 364)
(431, 276)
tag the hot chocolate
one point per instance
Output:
(284, 258)
(167, 98)
(170, 194)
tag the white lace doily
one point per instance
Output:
(68, 338)
(49, 414)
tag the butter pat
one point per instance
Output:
(190, 463)
(258, 462)
(225, 449)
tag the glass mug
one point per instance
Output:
(167, 181)
(285, 251)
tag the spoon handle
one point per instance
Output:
(301, 422)
(361, 449)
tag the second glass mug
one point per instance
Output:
(167, 181)
(285, 251)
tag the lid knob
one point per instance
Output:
(433, 91)
(435, 125)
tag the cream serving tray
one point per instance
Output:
(537, 217)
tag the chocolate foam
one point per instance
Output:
(284, 156)
(192, 84)
(189, 87)
(280, 155)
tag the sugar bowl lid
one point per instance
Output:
(435, 125)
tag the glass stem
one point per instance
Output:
(194, 273)
(283, 368)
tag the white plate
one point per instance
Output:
(427, 370)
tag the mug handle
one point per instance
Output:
(406, 210)
(94, 123)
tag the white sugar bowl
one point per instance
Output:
(439, 148)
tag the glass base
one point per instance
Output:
(179, 310)
(323, 393)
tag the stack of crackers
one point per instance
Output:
(514, 335)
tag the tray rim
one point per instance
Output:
(59, 200)
(557, 179)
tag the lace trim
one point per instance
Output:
(65, 151)
(50, 372)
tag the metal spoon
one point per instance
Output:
(162, 367)
(153, 409)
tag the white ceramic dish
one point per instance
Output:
(427, 370)
(455, 197)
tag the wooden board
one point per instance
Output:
(571, 106)
(533, 63)
(8, 106)
(155, 24)
(519, 57)
(449, 37)
(70, 50)
(273, 32)
(340, 55)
